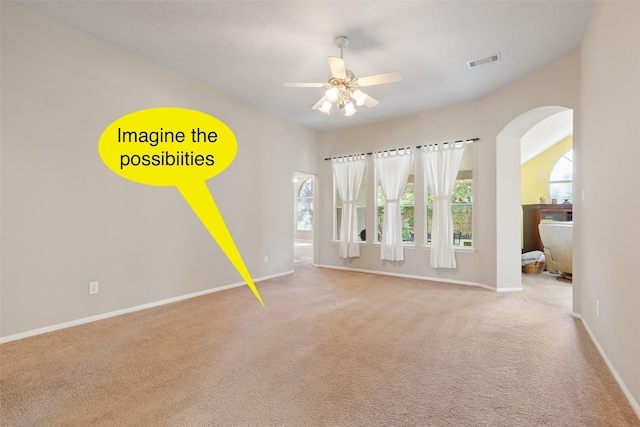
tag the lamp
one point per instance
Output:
(332, 94)
(325, 107)
(340, 91)
(359, 96)
(349, 110)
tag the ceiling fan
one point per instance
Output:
(343, 88)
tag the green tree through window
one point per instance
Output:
(461, 211)
(305, 205)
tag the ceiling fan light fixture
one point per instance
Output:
(349, 109)
(359, 96)
(342, 88)
(325, 107)
(332, 94)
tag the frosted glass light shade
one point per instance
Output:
(326, 107)
(349, 109)
(359, 96)
(332, 94)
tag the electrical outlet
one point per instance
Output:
(93, 288)
(598, 308)
(266, 259)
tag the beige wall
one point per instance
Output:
(555, 84)
(606, 154)
(68, 220)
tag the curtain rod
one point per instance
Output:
(404, 148)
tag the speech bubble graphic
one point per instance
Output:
(171, 146)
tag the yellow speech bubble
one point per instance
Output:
(179, 147)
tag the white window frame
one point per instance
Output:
(561, 199)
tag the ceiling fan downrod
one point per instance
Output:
(341, 42)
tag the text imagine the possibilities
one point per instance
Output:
(166, 158)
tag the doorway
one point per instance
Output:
(550, 121)
(304, 186)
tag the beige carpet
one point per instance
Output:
(331, 348)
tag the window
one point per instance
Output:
(407, 210)
(561, 179)
(361, 207)
(461, 203)
(305, 205)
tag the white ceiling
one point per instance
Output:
(545, 134)
(249, 48)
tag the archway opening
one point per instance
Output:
(509, 148)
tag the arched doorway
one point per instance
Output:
(508, 224)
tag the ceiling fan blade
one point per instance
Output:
(303, 84)
(337, 67)
(378, 79)
(319, 103)
(371, 102)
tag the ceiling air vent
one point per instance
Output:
(477, 62)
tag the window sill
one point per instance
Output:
(375, 244)
(404, 245)
(337, 242)
(463, 249)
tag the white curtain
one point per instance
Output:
(347, 173)
(393, 170)
(442, 163)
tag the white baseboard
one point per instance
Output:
(623, 387)
(102, 316)
(506, 289)
(411, 276)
